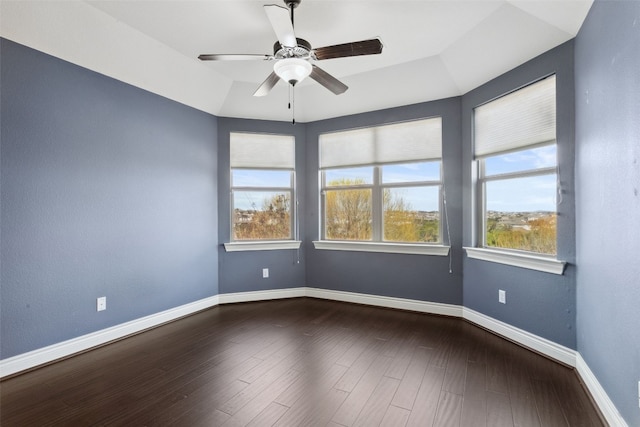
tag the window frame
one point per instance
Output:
(292, 242)
(377, 188)
(512, 257)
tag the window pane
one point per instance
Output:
(412, 214)
(260, 178)
(348, 214)
(521, 214)
(261, 215)
(348, 176)
(411, 172)
(535, 158)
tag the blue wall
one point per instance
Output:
(608, 199)
(107, 190)
(418, 277)
(540, 303)
(242, 271)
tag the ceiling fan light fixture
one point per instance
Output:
(292, 70)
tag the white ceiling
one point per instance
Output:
(432, 49)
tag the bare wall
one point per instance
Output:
(608, 199)
(107, 190)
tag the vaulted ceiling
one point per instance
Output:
(432, 49)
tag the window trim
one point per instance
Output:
(518, 259)
(382, 247)
(261, 245)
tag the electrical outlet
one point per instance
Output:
(502, 296)
(639, 394)
(265, 273)
(101, 304)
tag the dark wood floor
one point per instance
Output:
(302, 362)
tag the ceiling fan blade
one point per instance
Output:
(233, 57)
(281, 23)
(364, 47)
(267, 85)
(327, 80)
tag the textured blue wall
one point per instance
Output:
(242, 271)
(540, 303)
(417, 277)
(607, 59)
(107, 190)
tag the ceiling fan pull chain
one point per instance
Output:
(293, 104)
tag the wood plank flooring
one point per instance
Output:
(302, 362)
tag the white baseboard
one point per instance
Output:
(67, 348)
(42, 356)
(262, 295)
(541, 345)
(48, 354)
(388, 302)
(32, 359)
(608, 409)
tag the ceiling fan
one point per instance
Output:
(292, 55)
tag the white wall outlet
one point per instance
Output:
(639, 394)
(502, 296)
(265, 273)
(101, 304)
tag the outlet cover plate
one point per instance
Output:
(502, 296)
(265, 273)
(101, 304)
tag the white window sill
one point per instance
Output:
(390, 248)
(262, 245)
(532, 262)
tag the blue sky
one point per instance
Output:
(537, 193)
(530, 194)
(512, 195)
(534, 158)
(247, 200)
(261, 178)
(419, 198)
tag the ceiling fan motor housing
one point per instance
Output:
(303, 50)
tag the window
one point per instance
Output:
(262, 186)
(515, 147)
(383, 184)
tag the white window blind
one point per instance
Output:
(520, 119)
(399, 142)
(262, 151)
